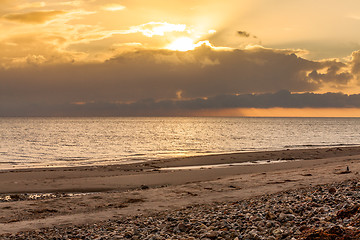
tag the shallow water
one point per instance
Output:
(39, 142)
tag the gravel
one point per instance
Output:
(323, 212)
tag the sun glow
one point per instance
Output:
(182, 44)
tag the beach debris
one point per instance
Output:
(35, 196)
(144, 187)
(307, 175)
(45, 210)
(347, 171)
(134, 200)
(192, 194)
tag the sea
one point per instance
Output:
(68, 142)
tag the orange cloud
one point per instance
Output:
(158, 28)
(33, 17)
(31, 5)
(113, 7)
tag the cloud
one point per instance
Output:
(90, 33)
(243, 34)
(283, 99)
(27, 50)
(92, 42)
(356, 62)
(151, 107)
(30, 5)
(33, 17)
(332, 74)
(113, 7)
(158, 28)
(162, 74)
(70, 3)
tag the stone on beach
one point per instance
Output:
(310, 213)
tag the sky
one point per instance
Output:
(180, 58)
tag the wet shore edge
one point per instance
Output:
(209, 159)
(164, 171)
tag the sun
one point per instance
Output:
(182, 44)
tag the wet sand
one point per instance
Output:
(126, 190)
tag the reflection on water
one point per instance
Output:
(98, 141)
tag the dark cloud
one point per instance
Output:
(33, 17)
(282, 99)
(356, 62)
(162, 74)
(150, 107)
(333, 74)
(245, 34)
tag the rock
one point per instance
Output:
(309, 213)
(182, 227)
(337, 230)
(270, 216)
(128, 235)
(278, 232)
(211, 235)
(286, 217)
(332, 190)
(282, 217)
(253, 234)
(348, 212)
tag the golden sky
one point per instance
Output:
(127, 57)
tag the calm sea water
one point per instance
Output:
(39, 142)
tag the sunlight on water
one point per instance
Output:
(99, 141)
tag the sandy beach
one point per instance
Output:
(33, 199)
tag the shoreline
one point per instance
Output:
(195, 156)
(155, 173)
(131, 176)
(119, 191)
(212, 158)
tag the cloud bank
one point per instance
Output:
(151, 107)
(202, 78)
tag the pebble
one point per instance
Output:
(297, 214)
